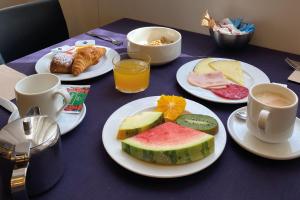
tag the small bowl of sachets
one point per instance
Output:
(229, 33)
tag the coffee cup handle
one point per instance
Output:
(67, 98)
(262, 119)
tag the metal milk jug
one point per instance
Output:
(30, 156)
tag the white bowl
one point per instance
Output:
(139, 41)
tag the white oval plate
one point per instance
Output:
(252, 76)
(103, 66)
(113, 146)
(66, 121)
(242, 135)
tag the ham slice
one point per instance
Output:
(208, 80)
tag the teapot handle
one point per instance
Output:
(8, 105)
(33, 111)
(18, 179)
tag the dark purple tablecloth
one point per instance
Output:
(91, 174)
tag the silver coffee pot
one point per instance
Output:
(30, 156)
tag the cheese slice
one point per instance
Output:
(232, 70)
(202, 66)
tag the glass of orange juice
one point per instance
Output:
(131, 72)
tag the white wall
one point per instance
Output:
(6, 3)
(277, 21)
(81, 15)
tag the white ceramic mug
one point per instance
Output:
(271, 112)
(44, 91)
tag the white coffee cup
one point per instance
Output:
(271, 112)
(44, 91)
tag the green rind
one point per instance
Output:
(178, 156)
(212, 128)
(126, 133)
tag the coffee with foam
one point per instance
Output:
(273, 99)
(271, 112)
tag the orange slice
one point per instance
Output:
(171, 106)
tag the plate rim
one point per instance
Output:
(15, 114)
(106, 147)
(223, 101)
(229, 128)
(76, 78)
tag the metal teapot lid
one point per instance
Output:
(40, 130)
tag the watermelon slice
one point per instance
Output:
(169, 144)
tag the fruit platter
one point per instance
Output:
(164, 136)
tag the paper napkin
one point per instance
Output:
(8, 79)
(295, 77)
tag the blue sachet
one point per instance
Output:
(236, 22)
(242, 26)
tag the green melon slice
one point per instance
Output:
(203, 123)
(138, 123)
(169, 144)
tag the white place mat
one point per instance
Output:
(8, 79)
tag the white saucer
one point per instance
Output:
(242, 135)
(66, 121)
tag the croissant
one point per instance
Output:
(86, 57)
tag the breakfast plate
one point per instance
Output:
(103, 66)
(252, 76)
(66, 121)
(113, 146)
(239, 132)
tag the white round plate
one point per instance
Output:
(66, 121)
(252, 76)
(113, 146)
(103, 66)
(282, 151)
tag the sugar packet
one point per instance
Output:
(83, 43)
(62, 49)
(78, 95)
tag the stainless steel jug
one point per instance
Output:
(30, 156)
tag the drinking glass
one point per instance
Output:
(131, 72)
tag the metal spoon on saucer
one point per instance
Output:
(241, 114)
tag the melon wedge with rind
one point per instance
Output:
(140, 122)
(169, 144)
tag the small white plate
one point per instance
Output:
(66, 121)
(103, 66)
(252, 76)
(113, 146)
(242, 135)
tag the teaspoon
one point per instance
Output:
(241, 114)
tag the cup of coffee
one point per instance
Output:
(44, 91)
(271, 112)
